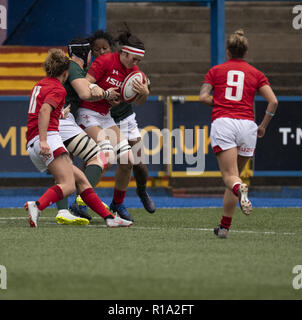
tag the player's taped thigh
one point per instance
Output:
(122, 149)
(106, 146)
(82, 146)
(106, 154)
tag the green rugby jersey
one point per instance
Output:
(121, 111)
(72, 98)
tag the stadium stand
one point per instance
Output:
(20, 68)
(178, 41)
(177, 38)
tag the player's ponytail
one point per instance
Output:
(126, 38)
(239, 32)
(237, 44)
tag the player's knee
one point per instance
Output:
(106, 154)
(126, 160)
(125, 168)
(140, 166)
(124, 154)
(100, 159)
(81, 181)
(72, 188)
(137, 151)
(68, 188)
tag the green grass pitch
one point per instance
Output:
(172, 254)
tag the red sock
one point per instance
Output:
(93, 202)
(235, 188)
(52, 195)
(226, 222)
(118, 196)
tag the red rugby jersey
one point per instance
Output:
(235, 83)
(47, 90)
(109, 72)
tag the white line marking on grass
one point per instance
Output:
(193, 229)
(151, 228)
(246, 231)
(13, 218)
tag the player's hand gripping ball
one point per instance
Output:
(127, 92)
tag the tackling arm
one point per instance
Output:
(111, 93)
(82, 88)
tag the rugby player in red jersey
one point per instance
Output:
(233, 130)
(46, 149)
(125, 118)
(109, 71)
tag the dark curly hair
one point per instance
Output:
(101, 34)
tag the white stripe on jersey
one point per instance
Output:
(33, 100)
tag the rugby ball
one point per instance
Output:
(127, 92)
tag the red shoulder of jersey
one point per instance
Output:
(100, 64)
(47, 90)
(55, 97)
(209, 77)
(52, 92)
(235, 83)
(217, 71)
(261, 78)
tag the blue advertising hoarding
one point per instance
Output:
(278, 153)
(14, 157)
(13, 154)
(281, 147)
(189, 118)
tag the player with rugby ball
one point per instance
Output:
(46, 149)
(109, 71)
(124, 116)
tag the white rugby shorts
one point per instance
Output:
(88, 118)
(129, 128)
(56, 145)
(68, 128)
(227, 133)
